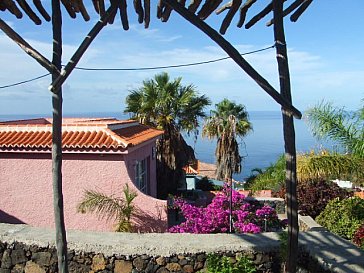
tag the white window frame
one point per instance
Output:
(141, 175)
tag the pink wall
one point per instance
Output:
(26, 189)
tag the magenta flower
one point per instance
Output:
(214, 218)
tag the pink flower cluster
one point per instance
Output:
(247, 218)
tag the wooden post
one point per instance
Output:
(289, 137)
(61, 240)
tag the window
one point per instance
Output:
(141, 175)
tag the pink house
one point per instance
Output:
(100, 154)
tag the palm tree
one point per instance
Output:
(346, 128)
(226, 123)
(121, 209)
(172, 107)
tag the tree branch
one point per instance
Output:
(43, 61)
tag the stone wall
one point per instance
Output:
(17, 258)
(32, 250)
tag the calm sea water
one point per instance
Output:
(265, 144)
(260, 148)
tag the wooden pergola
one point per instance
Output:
(195, 12)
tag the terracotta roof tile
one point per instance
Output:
(135, 135)
(77, 134)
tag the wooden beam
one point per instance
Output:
(294, 17)
(235, 55)
(208, 8)
(243, 11)
(289, 137)
(57, 83)
(146, 13)
(61, 237)
(287, 11)
(43, 61)
(82, 10)
(227, 6)
(123, 14)
(11, 6)
(24, 5)
(259, 16)
(41, 9)
(139, 10)
(69, 8)
(235, 4)
(194, 4)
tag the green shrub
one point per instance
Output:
(271, 178)
(223, 264)
(205, 184)
(343, 217)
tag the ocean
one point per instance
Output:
(260, 148)
(264, 144)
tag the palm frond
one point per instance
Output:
(103, 205)
(329, 122)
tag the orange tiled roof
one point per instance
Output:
(106, 133)
(190, 170)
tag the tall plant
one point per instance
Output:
(227, 122)
(170, 106)
(344, 127)
(312, 166)
(109, 207)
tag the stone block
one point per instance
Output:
(19, 268)
(139, 263)
(42, 258)
(18, 256)
(201, 257)
(173, 267)
(78, 268)
(98, 262)
(198, 265)
(161, 261)
(162, 270)
(32, 267)
(188, 269)
(6, 259)
(183, 262)
(123, 266)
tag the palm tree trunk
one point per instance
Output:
(289, 137)
(61, 241)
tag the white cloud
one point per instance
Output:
(107, 89)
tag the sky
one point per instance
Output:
(325, 51)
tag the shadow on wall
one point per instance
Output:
(9, 219)
(146, 222)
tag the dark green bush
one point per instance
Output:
(223, 264)
(343, 217)
(205, 184)
(313, 196)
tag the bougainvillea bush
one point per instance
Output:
(247, 217)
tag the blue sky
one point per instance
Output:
(325, 54)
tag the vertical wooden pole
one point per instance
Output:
(61, 240)
(289, 137)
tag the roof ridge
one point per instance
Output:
(116, 137)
